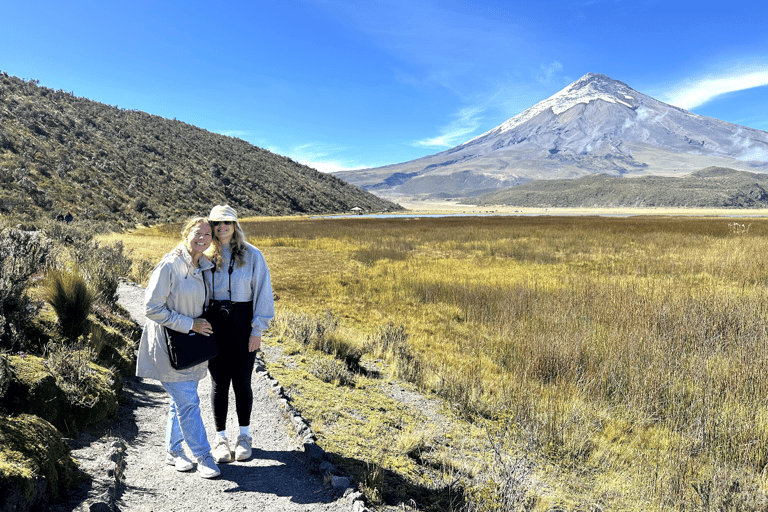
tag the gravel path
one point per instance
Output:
(126, 459)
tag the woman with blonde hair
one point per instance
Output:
(241, 310)
(175, 299)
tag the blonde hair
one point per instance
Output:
(190, 226)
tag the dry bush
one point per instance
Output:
(318, 332)
(23, 254)
(332, 371)
(71, 366)
(392, 341)
(141, 269)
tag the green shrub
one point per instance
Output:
(66, 234)
(71, 299)
(22, 255)
(71, 367)
(112, 349)
(103, 267)
(85, 384)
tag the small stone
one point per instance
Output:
(340, 482)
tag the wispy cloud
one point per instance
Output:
(695, 92)
(460, 129)
(323, 157)
(549, 73)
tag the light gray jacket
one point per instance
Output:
(250, 282)
(174, 298)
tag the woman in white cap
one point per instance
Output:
(241, 310)
(175, 298)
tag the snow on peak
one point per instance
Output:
(588, 88)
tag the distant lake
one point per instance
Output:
(555, 212)
(405, 215)
(477, 214)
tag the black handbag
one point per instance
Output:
(187, 349)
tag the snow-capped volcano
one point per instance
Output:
(589, 88)
(595, 125)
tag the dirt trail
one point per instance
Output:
(281, 476)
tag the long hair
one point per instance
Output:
(236, 245)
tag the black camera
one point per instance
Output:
(219, 309)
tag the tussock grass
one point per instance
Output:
(71, 299)
(623, 352)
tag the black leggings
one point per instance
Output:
(233, 365)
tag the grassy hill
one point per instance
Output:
(713, 187)
(62, 153)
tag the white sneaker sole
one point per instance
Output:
(222, 459)
(208, 474)
(181, 467)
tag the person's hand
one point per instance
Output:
(254, 343)
(202, 326)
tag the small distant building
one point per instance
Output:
(357, 210)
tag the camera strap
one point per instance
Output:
(213, 275)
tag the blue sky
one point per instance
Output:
(349, 84)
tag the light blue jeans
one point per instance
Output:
(184, 420)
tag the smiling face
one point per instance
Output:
(224, 230)
(199, 239)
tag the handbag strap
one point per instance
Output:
(205, 287)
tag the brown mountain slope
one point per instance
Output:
(713, 187)
(61, 153)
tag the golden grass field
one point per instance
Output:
(585, 362)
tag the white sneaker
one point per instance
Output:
(179, 460)
(221, 451)
(206, 468)
(243, 448)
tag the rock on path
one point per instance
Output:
(277, 478)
